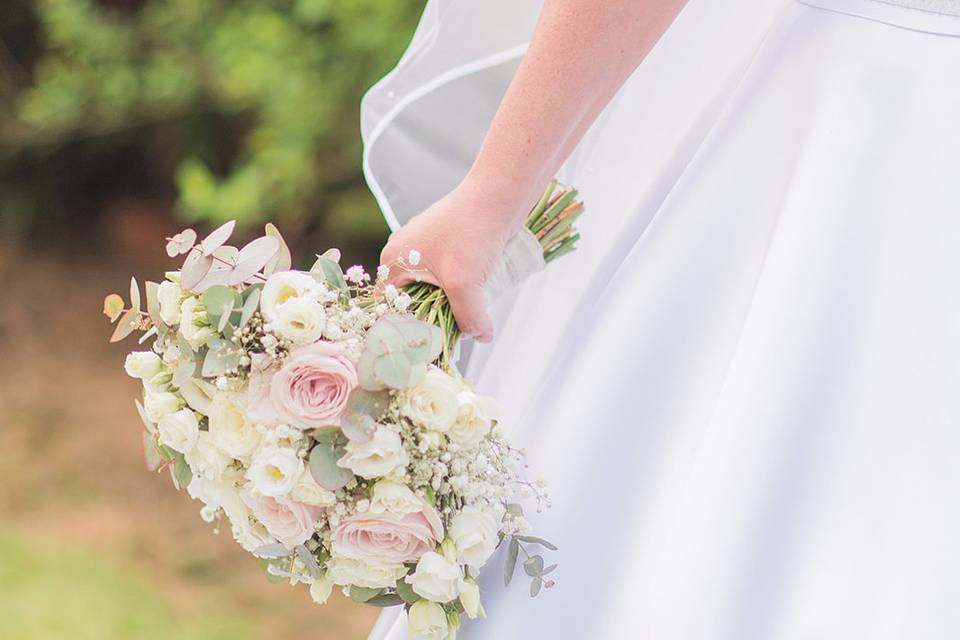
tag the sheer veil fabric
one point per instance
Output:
(742, 388)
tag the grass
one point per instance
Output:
(54, 594)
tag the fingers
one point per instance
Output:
(469, 306)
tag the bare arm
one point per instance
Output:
(581, 52)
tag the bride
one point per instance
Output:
(743, 388)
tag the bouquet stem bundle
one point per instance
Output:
(551, 221)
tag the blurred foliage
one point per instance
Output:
(248, 108)
(50, 594)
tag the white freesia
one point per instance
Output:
(142, 364)
(427, 621)
(168, 297)
(275, 470)
(474, 419)
(284, 286)
(372, 575)
(157, 404)
(433, 403)
(321, 589)
(179, 430)
(307, 491)
(379, 456)
(230, 427)
(436, 578)
(475, 533)
(300, 320)
(206, 458)
(394, 497)
(193, 322)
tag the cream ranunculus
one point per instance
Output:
(300, 320)
(143, 365)
(372, 575)
(474, 420)
(433, 403)
(275, 470)
(229, 426)
(157, 404)
(436, 578)
(394, 497)
(179, 430)
(284, 286)
(168, 297)
(308, 491)
(475, 533)
(206, 458)
(378, 457)
(193, 322)
(427, 621)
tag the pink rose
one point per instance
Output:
(312, 387)
(290, 522)
(389, 537)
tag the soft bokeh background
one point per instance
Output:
(122, 121)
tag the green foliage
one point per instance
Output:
(256, 101)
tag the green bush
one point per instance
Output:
(250, 107)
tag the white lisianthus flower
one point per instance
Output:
(433, 403)
(372, 575)
(377, 457)
(157, 404)
(475, 533)
(168, 297)
(474, 420)
(300, 320)
(224, 495)
(307, 491)
(206, 458)
(394, 497)
(229, 426)
(470, 599)
(427, 621)
(436, 578)
(179, 430)
(284, 286)
(143, 365)
(193, 322)
(321, 589)
(275, 470)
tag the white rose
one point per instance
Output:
(300, 320)
(275, 470)
(206, 458)
(427, 621)
(142, 364)
(157, 404)
(168, 296)
(475, 533)
(433, 403)
(193, 322)
(436, 578)
(309, 492)
(377, 457)
(394, 497)
(179, 430)
(350, 571)
(474, 421)
(229, 426)
(284, 286)
(321, 589)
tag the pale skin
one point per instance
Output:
(581, 53)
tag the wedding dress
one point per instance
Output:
(743, 388)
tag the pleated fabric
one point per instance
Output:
(742, 391)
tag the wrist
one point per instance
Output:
(506, 200)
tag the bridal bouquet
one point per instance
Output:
(317, 414)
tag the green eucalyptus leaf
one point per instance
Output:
(308, 560)
(330, 271)
(324, 469)
(186, 369)
(274, 550)
(153, 303)
(366, 373)
(151, 452)
(533, 565)
(266, 564)
(385, 600)
(151, 428)
(370, 403)
(128, 322)
(406, 592)
(363, 594)
(222, 357)
(393, 369)
(539, 541)
(535, 586)
(180, 470)
(250, 305)
(513, 550)
(134, 294)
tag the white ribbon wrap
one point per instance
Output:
(522, 257)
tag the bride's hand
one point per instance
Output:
(460, 240)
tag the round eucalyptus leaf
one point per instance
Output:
(324, 469)
(393, 369)
(217, 237)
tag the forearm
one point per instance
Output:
(580, 54)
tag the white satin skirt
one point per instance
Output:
(744, 389)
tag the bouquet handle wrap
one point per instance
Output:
(522, 257)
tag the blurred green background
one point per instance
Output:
(121, 121)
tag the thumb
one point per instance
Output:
(469, 304)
